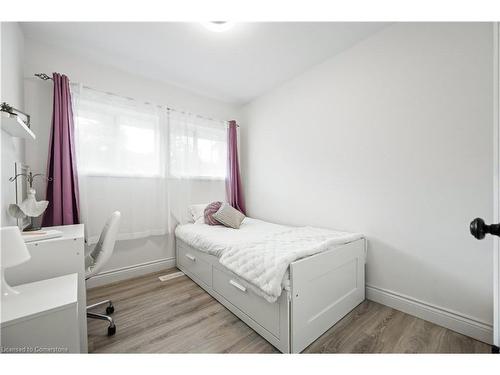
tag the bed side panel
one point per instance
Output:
(325, 287)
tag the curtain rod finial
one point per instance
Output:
(43, 76)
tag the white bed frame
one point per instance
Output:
(323, 289)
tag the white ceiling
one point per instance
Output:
(234, 66)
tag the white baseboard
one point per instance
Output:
(124, 273)
(446, 318)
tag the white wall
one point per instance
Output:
(12, 92)
(47, 59)
(392, 138)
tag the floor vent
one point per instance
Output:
(171, 276)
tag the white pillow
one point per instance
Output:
(229, 216)
(197, 211)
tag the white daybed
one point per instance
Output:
(318, 290)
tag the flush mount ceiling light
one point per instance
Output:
(218, 26)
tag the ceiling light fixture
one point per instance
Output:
(218, 26)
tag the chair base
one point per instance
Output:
(109, 310)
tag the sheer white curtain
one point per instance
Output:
(148, 162)
(198, 158)
(121, 147)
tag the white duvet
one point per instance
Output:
(215, 239)
(260, 252)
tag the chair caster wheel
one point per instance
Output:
(110, 310)
(111, 330)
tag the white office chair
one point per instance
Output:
(97, 259)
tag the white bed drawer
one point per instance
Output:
(194, 262)
(257, 308)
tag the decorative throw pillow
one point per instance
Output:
(210, 210)
(197, 211)
(229, 216)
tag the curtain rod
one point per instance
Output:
(46, 77)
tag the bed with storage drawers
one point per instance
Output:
(316, 290)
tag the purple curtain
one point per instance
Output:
(234, 190)
(62, 191)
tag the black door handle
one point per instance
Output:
(479, 229)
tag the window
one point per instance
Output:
(197, 147)
(116, 136)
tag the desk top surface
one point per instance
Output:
(68, 232)
(39, 298)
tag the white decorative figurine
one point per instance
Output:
(29, 207)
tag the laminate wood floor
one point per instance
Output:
(177, 316)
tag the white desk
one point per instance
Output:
(43, 318)
(57, 257)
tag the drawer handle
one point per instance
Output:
(190, 257)
(238, 286)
